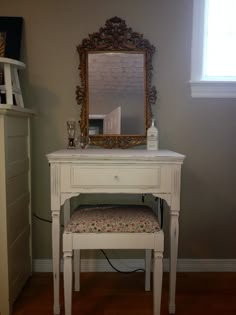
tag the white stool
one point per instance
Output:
(11, 87)
(115, 227)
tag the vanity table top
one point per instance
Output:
(109, 154)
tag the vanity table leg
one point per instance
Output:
(56, 259)
(66, 211)
(174, 238)
(148, 260)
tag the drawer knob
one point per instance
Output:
(116, 177)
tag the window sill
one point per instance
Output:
(213, 89)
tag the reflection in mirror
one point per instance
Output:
(116, 93)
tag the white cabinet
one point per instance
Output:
(15, 203)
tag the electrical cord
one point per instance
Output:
(127, 272)
(44, 220)
(105, 255)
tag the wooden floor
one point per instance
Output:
(122, 294)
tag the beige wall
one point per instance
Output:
(202, 129)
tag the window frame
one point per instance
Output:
(201, 87)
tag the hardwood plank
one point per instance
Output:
(116, 294)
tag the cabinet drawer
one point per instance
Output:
(84, 177)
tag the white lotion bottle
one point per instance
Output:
(152, 137)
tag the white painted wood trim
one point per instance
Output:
(200, 86)
(213, 89)
(184, 265)
(15, 110)
(197, 39)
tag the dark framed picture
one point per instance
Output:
(2, 43)
(10, 36)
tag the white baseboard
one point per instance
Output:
(184, 265)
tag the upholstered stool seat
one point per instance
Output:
(112, 219)
(114, 227)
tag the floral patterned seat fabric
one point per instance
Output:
(113, 219)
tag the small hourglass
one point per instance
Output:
(71, 126)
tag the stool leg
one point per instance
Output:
(77, 269)
(16, 87)
(68, 282)
(8, 84)
(157, 281)
(148, 259)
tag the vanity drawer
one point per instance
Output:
(77, 176)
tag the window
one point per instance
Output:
(214, 49)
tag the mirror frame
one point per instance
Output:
(115, 37)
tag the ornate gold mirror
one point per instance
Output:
(116, 93)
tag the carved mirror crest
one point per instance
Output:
(116, 91)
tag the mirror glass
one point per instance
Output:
(116, 93)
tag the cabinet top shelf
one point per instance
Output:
(6, 109)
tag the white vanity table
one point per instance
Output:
(118, 171)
